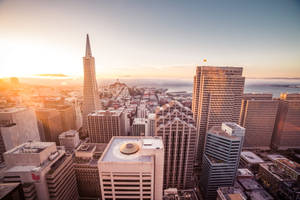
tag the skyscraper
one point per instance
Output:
(132, 168)
(50, 124)
(287, 126)
(91, 101)
(221, 158)
(258, 116)
(175, 124)
(217, 98)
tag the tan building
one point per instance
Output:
(86, 169)
(175, 124)
(287, 126)
(217, 98)
(91, 101)
(25, 124)
(50, 125)
(68, 118)
(104, 124)
(44, 170)
(70, 140)
(132, 168)
(258, 115)
(140, 127)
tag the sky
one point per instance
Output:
(149, 39)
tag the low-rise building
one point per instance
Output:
(250, 160)
(139, 127)
(70, 140)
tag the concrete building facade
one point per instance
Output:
(287, 126)
(140, 127)
(50, 124)
(132, 168)
(25, 127)
(44, 171)
(258, 115)
(175, 124)
(104, 124)
(217, 98)
(221, 158)
(70, 140)
(86, 169)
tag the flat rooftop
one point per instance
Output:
(244, 172)
(118, 150)
(12, 110)
(68, 134)
(251, 157)
(274, 157)
(30, 147)
(250, 184)
(116, 113)
(140, 121)
(217, 130)
(291, 164)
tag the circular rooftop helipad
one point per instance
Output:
(129, 148)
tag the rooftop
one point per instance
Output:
(218, 131)
(69, 133)
(232, 193)
(244, 172)
(12, 110)
(30, 147)
(250, 184)
(291, 164)
(116, 113)
(251, 157)
(140, 121)
(128, 149)
(274, 157)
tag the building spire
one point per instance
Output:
(88, 51)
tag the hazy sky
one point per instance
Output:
(143, 38)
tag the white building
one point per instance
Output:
(132, 168)
(221, 157)
(151, 124)
(140, 127)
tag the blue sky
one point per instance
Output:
(145, 39)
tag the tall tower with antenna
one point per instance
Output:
(91, 101)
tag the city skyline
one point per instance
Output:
(163, 45)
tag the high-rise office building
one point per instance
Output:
(217, 98)
(287, 126)
(140, 127)
(132, 168)
(104, 124)
(44, 171)
(175, 124)
(86, 169)
(258, 115)
(221, 158)
(91, 101)
(151, 124)
(70, 140)
(50, 124)
(25, 124)
(68, 118)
